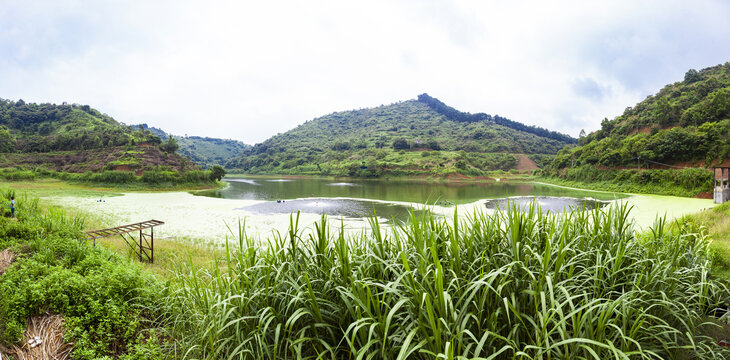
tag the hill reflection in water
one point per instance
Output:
(551, 203)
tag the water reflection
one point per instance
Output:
(547, 203)
(352, 198)
(333, 207)
(392, 190)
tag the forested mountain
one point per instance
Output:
(421, 135)
(685, 123)
(29, 127)
(204, 151)
(78, 138)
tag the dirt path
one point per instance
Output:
(524, 163)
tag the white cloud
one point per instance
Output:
(248, 70)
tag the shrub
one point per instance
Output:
(160, 177)
(400, 144)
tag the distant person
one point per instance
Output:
(12, 206)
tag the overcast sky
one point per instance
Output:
(247, 70)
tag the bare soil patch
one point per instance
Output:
(705, 195)
(525, 164)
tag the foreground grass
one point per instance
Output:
(717, 223)
(512, 285)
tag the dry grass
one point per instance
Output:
(6, 258)
(48, 327)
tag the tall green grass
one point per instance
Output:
(507, 285)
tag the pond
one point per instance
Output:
(391, 198)
(253, 203)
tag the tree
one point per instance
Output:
(217, 172)
(434, 145)
(170, 145)
(400, 144)
(691, 76)
(341, 145)
(7, 143)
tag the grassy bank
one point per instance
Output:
(103, 298)
(161, 178)
(458, 178)
(51, 187)
(685, 183)
(169, 253)
(503, 286)
(384, 162)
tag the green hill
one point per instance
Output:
(28, 127)
(685, 123)
(77, 138)
(422, 136)
(676, 134)
(204, 151)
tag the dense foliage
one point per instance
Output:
(103, 298)
(30, 127)
(512, 285)
(685, 122)
(382, 140)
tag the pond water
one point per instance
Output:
(254, 201)
(390, 199)
(392, 190)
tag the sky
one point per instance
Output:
(248, 70)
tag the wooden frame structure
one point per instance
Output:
(144, 246)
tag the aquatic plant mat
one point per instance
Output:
(43, 340)
(507, 285)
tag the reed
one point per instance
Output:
(505, 285)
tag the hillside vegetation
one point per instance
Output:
(204, 151)
(685, 122)
(76, 142)
(29, 127)
(685, 125)
(421, 136)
